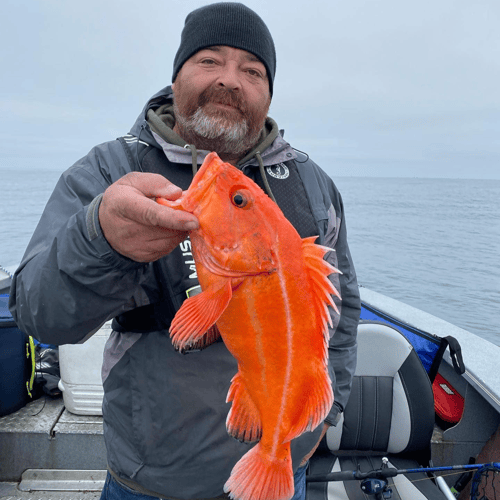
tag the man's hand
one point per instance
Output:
(311, 453)
(138, 227)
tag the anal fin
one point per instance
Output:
(243, 421)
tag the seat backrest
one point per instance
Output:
(391, 406)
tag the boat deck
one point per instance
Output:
(11, 491)
(44, 435)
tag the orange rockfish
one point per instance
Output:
(267, 290)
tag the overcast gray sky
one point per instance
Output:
(372, 88)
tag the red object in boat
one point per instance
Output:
(448, 403)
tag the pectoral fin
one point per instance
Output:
(197, 314)
(208, 338)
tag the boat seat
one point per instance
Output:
(390, 413)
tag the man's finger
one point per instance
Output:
(165, 217)
(147, 212)
(153, 249)
(152, 185)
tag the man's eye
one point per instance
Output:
(208, 61)
(254, 72)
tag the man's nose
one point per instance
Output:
(229, 77)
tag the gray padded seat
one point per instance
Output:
(390, 414)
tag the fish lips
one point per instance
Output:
(201, 182)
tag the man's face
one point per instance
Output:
(221, 99)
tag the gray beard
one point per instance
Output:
(215, 133)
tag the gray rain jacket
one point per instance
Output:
(164, 412)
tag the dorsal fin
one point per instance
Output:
(320, 398)
(319, 270)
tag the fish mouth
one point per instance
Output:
(201, 182)
(191, 198)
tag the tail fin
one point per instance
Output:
(258, 476)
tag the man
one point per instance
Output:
(104, 249)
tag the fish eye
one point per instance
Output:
(240, 199)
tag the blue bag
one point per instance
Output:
(429, 347)
(17, 363)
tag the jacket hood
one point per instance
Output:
(140, 128)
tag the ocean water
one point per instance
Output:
(431, 243)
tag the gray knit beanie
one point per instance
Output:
(231, 24)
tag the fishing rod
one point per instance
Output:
(375, 483)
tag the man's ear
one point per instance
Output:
(173, 86)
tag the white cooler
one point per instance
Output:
(80, 366)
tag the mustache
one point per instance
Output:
(222, 96)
